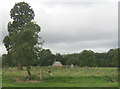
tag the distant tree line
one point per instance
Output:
(85, 58)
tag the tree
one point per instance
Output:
(112, 58)
(59, 57)
(72, 59)
(101, 59)
(6, 61)
(87, 58)
(22, 40)
(46, 57)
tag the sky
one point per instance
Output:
(70, 26)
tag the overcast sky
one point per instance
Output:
(70, 26)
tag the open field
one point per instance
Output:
(63, 77)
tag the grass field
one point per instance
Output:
(0, 77)
(63, 77)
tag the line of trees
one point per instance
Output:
(84, 58)
(91, 59)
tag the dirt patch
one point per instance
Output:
(112, 80)
(17, 80)
(30, 81)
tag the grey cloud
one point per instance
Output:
(65, 47)
(89, 26)
(72, 26)
(53, 38)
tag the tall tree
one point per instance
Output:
(22, 40)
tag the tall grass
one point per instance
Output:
(64, 76)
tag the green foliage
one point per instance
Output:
(89, 58)
(101, 59)
(112, 57)
(85, 58)
(46, 58)
(22, 13)
(61, 58)
(72, 59)
(7, 61)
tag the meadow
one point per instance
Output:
(63, 77)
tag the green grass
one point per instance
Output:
(0, 71)
(64, 77)
(0, 78)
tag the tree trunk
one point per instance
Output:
(29, 77)
(20, 67)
